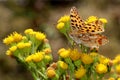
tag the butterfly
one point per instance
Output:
(87, 34)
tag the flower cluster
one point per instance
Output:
(15, 37)
(115, 71)
(84, 66)
(63, 21)
(63, 25)
(77, 63)
(32, 50)
(94, 18)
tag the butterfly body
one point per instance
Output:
(88, 34)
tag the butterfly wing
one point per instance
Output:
(76, 22)
(101, 40)
(76, 25)
(75, 37)
(94, 40)
(93, 27)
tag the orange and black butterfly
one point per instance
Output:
(87, 34)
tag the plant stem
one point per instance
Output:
(42, 75)
(64, 78)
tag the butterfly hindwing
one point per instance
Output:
(94, 40)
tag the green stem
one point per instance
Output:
(34, 76)
(64, 78)
(33, 73)
(82, 48)
(71, 67)
(42, 75)
(100, 78)
(94, 76)
(68, 38)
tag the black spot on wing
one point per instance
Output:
(73, 27)
(89, 27)
(80, 26)
(87, 30)
(93, 31)
(76, 24)
(75, 20)
(72, 20)
(71, 16)
(86, 27)
(72, 23)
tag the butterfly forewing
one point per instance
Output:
(93, 27)
(76, 22)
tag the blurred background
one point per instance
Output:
(42, 15)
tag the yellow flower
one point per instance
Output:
(13, 48)
(74, 54)
(111, 78)
(51, 73)
(27, 31)
(37, 56)
(47, 50)
(47, 57)
(8, 52)
(33, 33)
(103, 20)
(21, 45)
(86, 59)
(118, 68)
(64, 19)
(41, 52)
(40, 36)
(80, 73)
(101, 68)
(93, 54)
(27, 44)
(17, 37)
(91, 19)
(60, 25)
(24, 38)
(62, 64)
(64, 53)
(8, 40)
(94, 18)
(29, 58)
(118, 79)
(104, 60)
(61, 50)
(117, 59)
